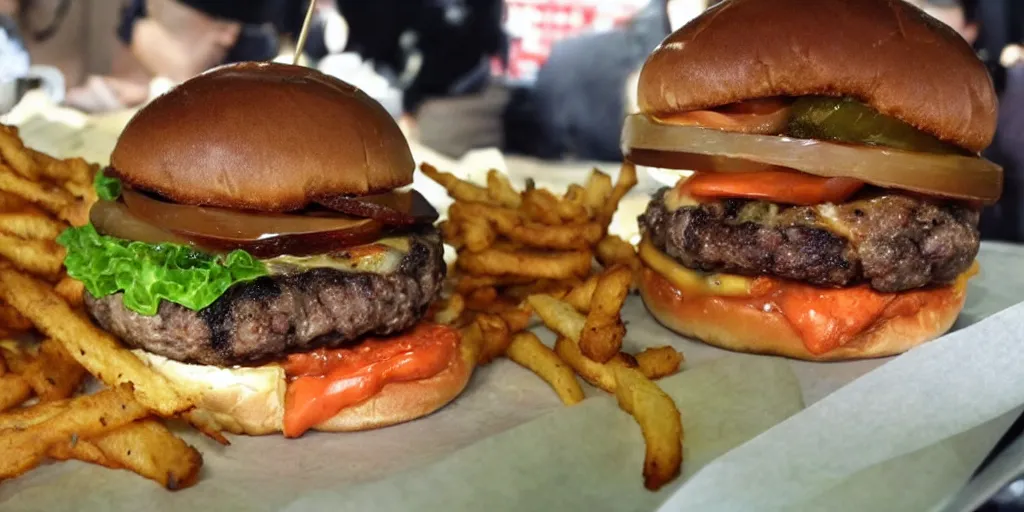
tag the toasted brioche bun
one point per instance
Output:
(251, 401)
(261, 136)
(885, 53)
(732, 325)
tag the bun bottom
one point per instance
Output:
(251, 401)
(733, 325)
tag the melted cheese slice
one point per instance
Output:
(381, 257)
(692, 282)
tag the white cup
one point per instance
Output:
(47, 79)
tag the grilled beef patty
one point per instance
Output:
(893, 241)
(271, 316)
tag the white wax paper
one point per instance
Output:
(905, 437)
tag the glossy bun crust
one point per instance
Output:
(737, 327)
(262, 136)
(886, 53)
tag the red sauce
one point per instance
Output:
(325, 381)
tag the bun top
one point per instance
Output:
(885, 53)
(262, 136)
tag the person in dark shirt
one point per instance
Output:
(581, 90)
(1005, 220)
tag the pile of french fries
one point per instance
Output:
(521, 253)
(48, 347)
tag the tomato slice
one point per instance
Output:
(785, 187)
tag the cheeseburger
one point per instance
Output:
(253, 244)
(833, 209)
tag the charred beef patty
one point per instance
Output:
(892, 241)
(272, 316)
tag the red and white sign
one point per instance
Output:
(533, 26)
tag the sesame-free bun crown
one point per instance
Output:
(262, 136)
(885, 53)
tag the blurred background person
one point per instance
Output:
(177, 39)
(438, 53)
(1005, 220)
(587, 86)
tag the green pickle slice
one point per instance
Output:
(848, 120)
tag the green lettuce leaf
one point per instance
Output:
(147, 273)
(107, 188)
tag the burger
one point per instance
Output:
(833, 205)
(256, 243)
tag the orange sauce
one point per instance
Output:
(825, 319)
(325, 381)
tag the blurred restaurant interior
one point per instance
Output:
(544, 79)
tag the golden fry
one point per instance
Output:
(495, 337)
(53, 374)
(478, 234)
(11, 319)
(658, 362)
(145, 447)
(555, 287)
(545, 207)
(517, 319)
(25, 417)
(94, 349)
(13, 152)
(87, 416)
(541, 206)
(29, 226)
(564, 236)
(549, 265)
(71, 290)
(53, 199)
(13, 391)
(579, 297)
(467, 282)
(451, 234)
(76, 212)
(659, 421)
(472, 345)
(53, 168)
(527, 350)
(13, 203)
(603, 330)
(480, 298)
(85, 451)
(453, 308)
(597, 191)
(501, 191)
(558, 315)
(576, 194)
(459, 190)
(612, 250)
(17, 357)
(503, 219)
(81, 171)
(597, 374)
(207, 423)
(40, 257)
(626, 181)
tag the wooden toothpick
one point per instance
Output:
(305, 32)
